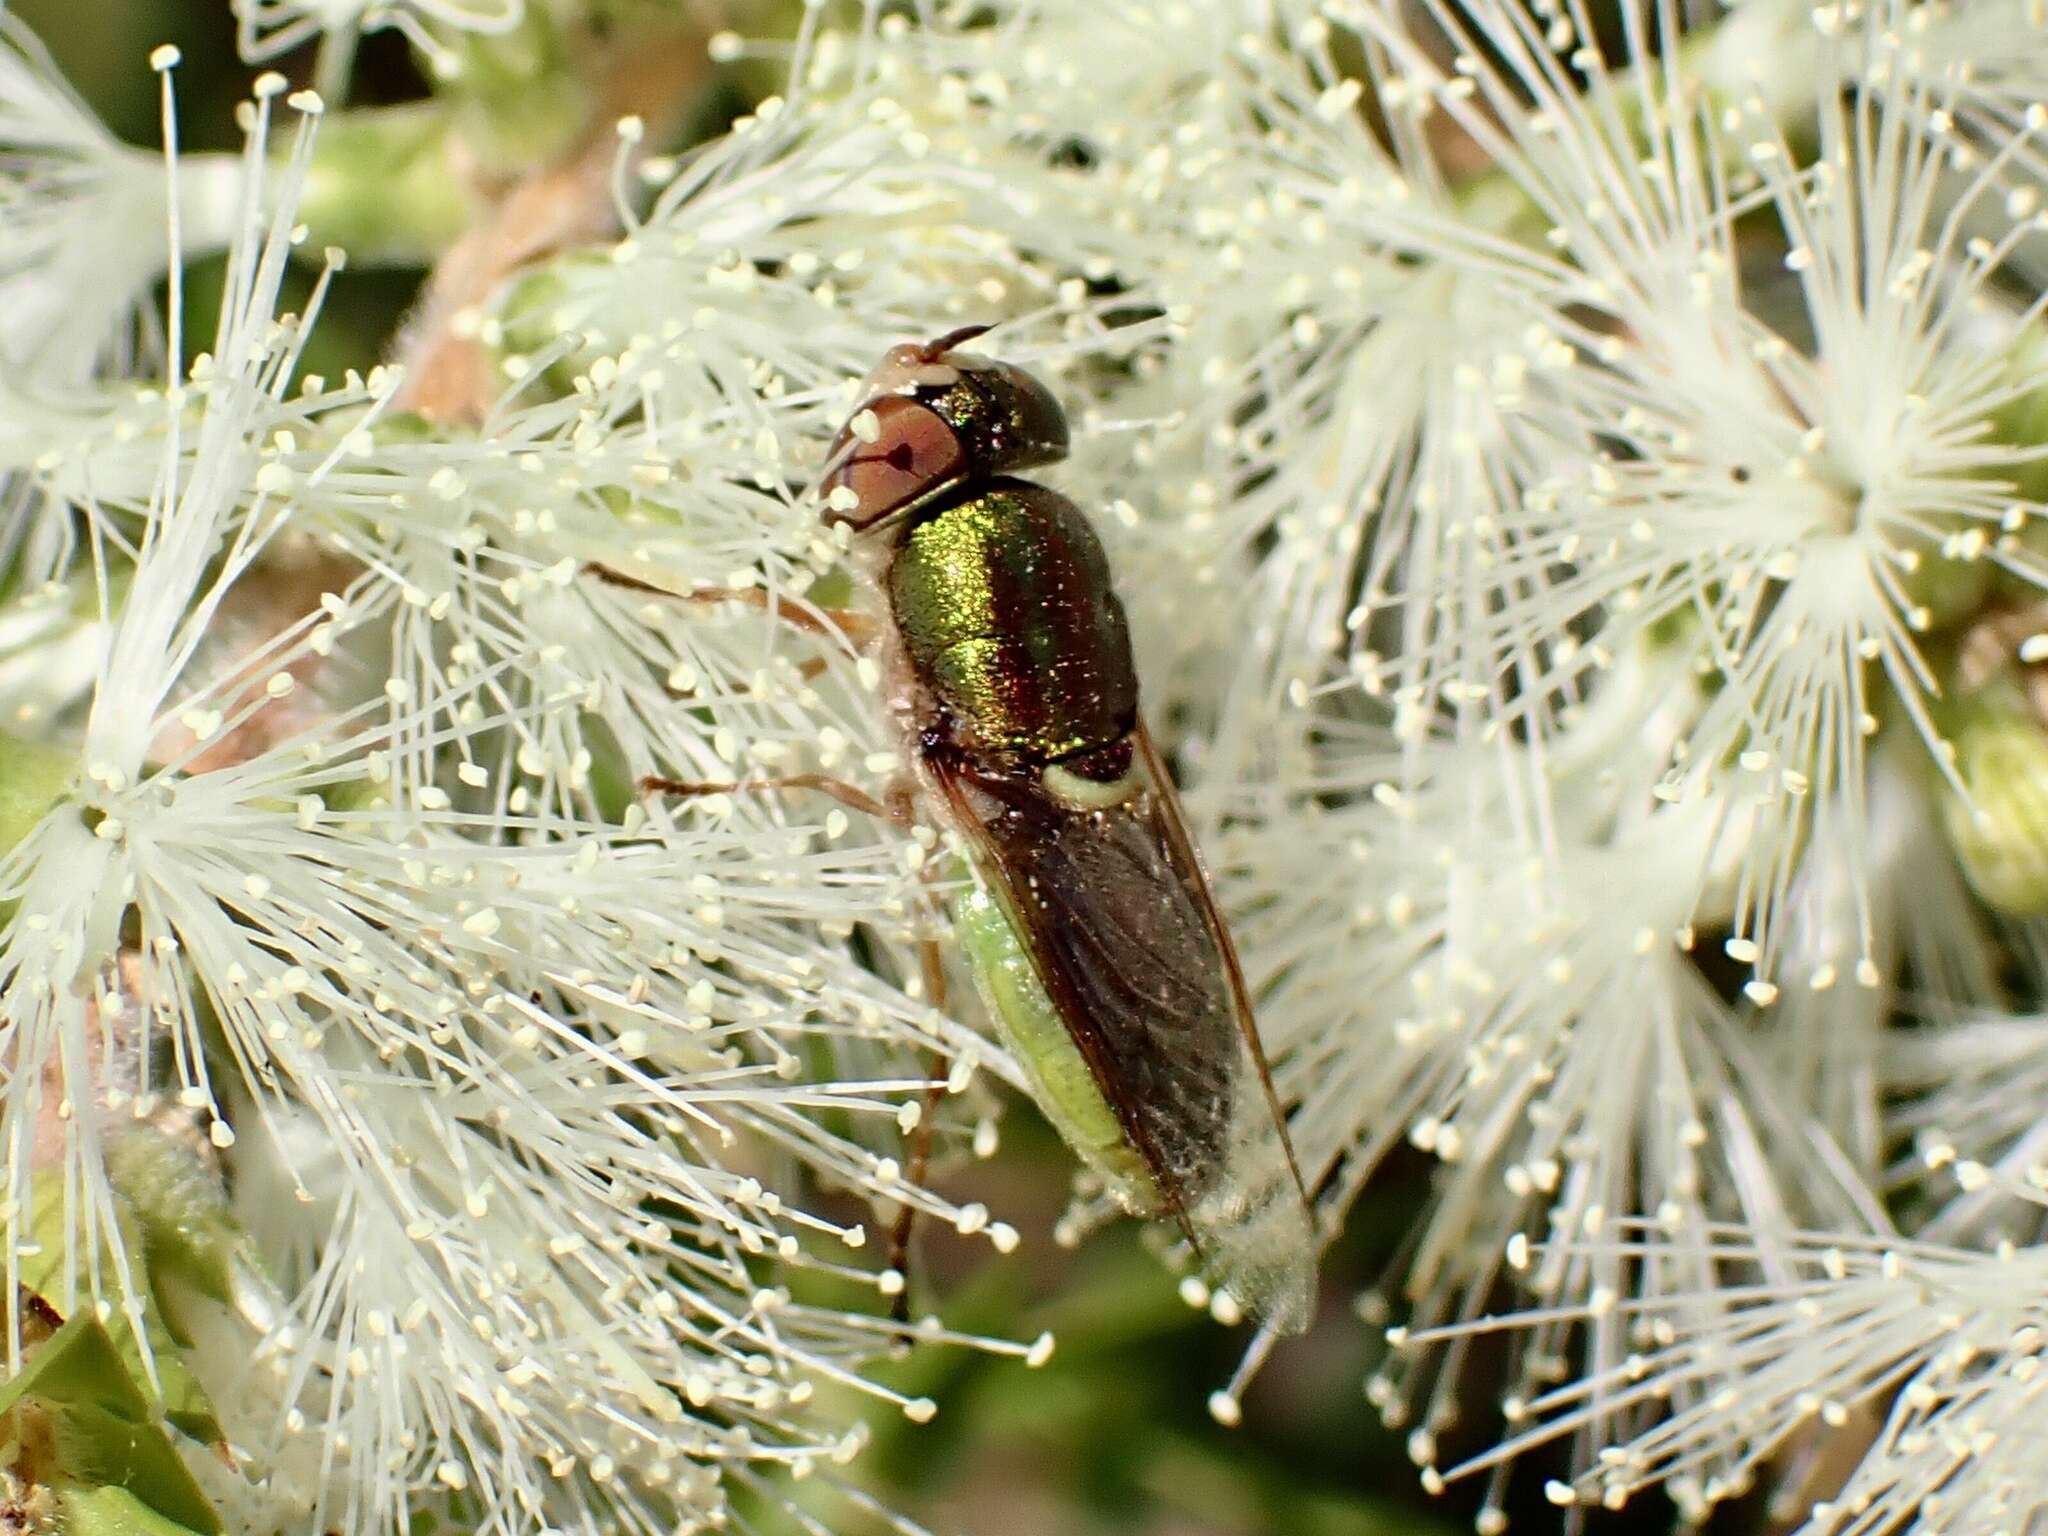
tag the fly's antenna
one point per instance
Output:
(939, 346)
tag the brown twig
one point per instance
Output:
(550, 208)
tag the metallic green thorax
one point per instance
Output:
(1001, 594)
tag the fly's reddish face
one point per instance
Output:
(936, 418)
(915, 452)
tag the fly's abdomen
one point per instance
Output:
(1062, 1081)
(1001, 594)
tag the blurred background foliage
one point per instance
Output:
(1113, 1434)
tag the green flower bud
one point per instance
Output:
(188, 1232)
(612, 784)
(2022, 421)
(519, 96)
(1951, 588)
(2000, 826)
(384, 186)
(529, 319)
(408, 427)
(834, 589)
(355, 795)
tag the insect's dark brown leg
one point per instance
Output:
(840, 625)
(850, 795)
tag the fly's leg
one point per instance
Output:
(842, 626)
(852, 796)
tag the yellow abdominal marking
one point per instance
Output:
(1071, 789)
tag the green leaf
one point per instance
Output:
(114, 1512)
(78, 1419)
(43, 1272)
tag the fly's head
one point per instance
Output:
(935, 418)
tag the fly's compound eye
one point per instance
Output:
(915, 451)
(1014, 422)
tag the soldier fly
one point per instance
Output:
(1088, 923)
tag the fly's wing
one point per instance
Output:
(1109, 904)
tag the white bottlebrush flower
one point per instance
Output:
(1351, 418)
(1829, 1035)
(1969, 1083)
(1553, 483)
(269, 29)
(1791, 1343)
(1235, 190)
(666, 403)
(1721, 511)
(81, 242)
(1982, 62)
(517, 1104)
(563, 1065)
(1510, 989)
(1994, 58)
(1795, 476)
(73, 271)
